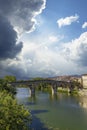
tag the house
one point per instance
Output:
(84, 80)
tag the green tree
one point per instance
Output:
(6, 86)
(76, 84)
(10, 78)
(12, 115)
(38, 78)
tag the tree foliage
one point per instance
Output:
(38, 78)
(10, 78)
(76, 84)
(4, 85)
(12, 115)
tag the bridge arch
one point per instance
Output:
(54, 85)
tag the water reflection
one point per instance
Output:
(53, 97)
(83, 101)
(33, 99)
(23, 93)
(56, 112)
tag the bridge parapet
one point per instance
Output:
(33, 84)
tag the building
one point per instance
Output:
(84, 80)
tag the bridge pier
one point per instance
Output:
(54, 89)
(32, 90)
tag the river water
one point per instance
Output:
(59, 112)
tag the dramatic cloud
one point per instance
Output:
(21, 13)
(67, 21)
(77, 50)
(16, 17)
(84, 25)
(43, 53)
(8, 38)
(44, 59)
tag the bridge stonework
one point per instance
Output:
(33, 84)
(32, 90)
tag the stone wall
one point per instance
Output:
(84, 81)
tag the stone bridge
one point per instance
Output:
(33, 84)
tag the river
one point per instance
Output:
(60, 112)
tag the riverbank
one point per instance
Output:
(83, 92)
(80, 92)
(67, 91)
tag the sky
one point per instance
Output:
(43, 38)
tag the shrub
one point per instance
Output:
(12, 115)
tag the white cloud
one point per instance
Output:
(53, 38)
(42, 59)
(67, 20)
(76, 50)
(84, 25)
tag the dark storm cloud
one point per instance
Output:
(16, 17)
(21, 12)
(8, 39)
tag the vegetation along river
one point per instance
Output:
(61, 112)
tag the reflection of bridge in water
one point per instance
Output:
(54, 85)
